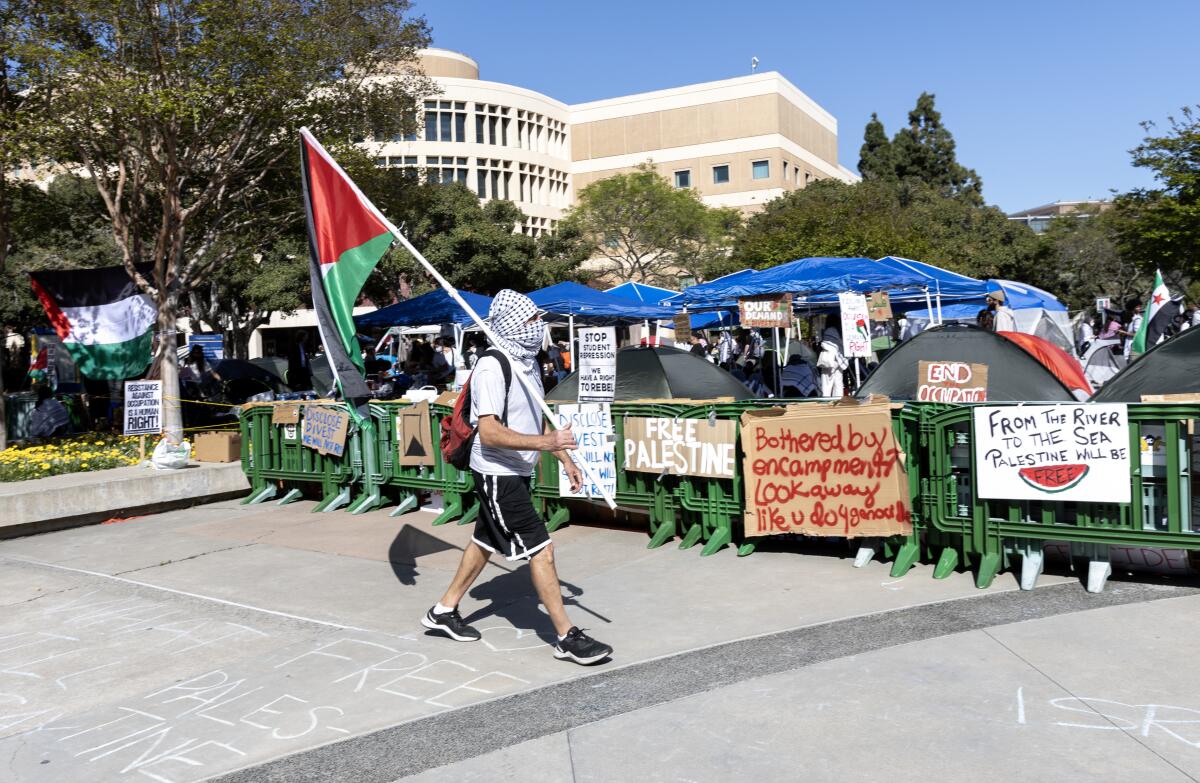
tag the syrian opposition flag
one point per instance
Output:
(103, 320)
(347, 236)
(1160, 311)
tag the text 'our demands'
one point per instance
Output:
(824, 470)
(1053, 452)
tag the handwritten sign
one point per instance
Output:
(598, 364)
(288, 413)
(593, 428)
(824, 470)
(773, 311)
(951, 382)
(683, 327)
(880, 306)
(324, 429)
(1053, 452)
(856, 334)
(681, 447)
(143, 407)
(414, 438)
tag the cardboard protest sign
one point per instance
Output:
(856, 335)
(824, 470)
(683, 327)
(681, 447)
(1053, 452)
(414, 437)
(951, 382)
(143, 407)
(288, 413)
(598, 364)
(879, 306)
(324, 429)
(593, 428)
(771, 311)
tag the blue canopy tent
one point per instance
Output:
(599, 307)
(435, 307)
(1036, 312)
(659, 296)
(808, 278)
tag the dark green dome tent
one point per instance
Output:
(1171, 367)
(1013, 375)
(653, 373)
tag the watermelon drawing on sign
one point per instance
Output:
(1053, 478)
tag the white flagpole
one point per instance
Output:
(445, 284)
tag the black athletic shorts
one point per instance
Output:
(508, 522)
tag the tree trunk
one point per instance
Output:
(168, 364)
(3, 402)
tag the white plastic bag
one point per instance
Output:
(168, 456)
(424, 393)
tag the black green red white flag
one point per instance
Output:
(104, 321)
(1159, 297)
(347, 236)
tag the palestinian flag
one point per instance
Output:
(347, 236)
(103, 320)
(1160, 311)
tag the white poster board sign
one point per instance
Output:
(593, 428)
(597, 364)
(856, 328)
(1053, 452)
(143, 407)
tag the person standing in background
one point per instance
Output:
(299, 372)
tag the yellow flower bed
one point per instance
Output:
(68, 455)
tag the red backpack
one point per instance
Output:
(457, 433)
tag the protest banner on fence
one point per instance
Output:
(287, 413)
(824, 470)
(683, 327)
(593, 428)
(414, 437)
(770, 311)
(597, 364)
(324, 429)
(951, 382)
(880, 306)
(1053, 452)
(143, 407)
(681, 447)
(856, 335)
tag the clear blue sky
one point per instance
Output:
(1043, 99)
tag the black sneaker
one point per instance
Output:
(581, 648)
(451, 624)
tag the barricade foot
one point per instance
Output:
(989, 566)
(905, 557)
(292, 496)
(336, 502)
(1031, 566)
(452, 509)
(720, 538)
(691, 537)
(946, 564)
(367, 502)
(866, 552)
(1098, 573)
(558, 519)
(664, 533)
(470, 515)
(747, 549)
(263, 495)
(406, 505)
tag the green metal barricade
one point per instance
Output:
(405, 483)
(1161, 514)
(274, 458)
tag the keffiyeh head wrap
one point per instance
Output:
(509, 318)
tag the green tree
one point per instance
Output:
(179, 110)
(1084, 261)
(644, 230)
(876, 159)
(875, 218)
(1160, 227)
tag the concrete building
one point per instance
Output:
(1038, 218)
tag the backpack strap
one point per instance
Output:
(505, 368)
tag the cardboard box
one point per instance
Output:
(217, 446)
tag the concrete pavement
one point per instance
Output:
(192, 644)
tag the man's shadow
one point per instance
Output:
(409, 544)
(512, 597)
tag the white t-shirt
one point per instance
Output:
(524, 416)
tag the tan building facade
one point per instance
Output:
(738, 142)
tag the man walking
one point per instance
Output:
(510, 436)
